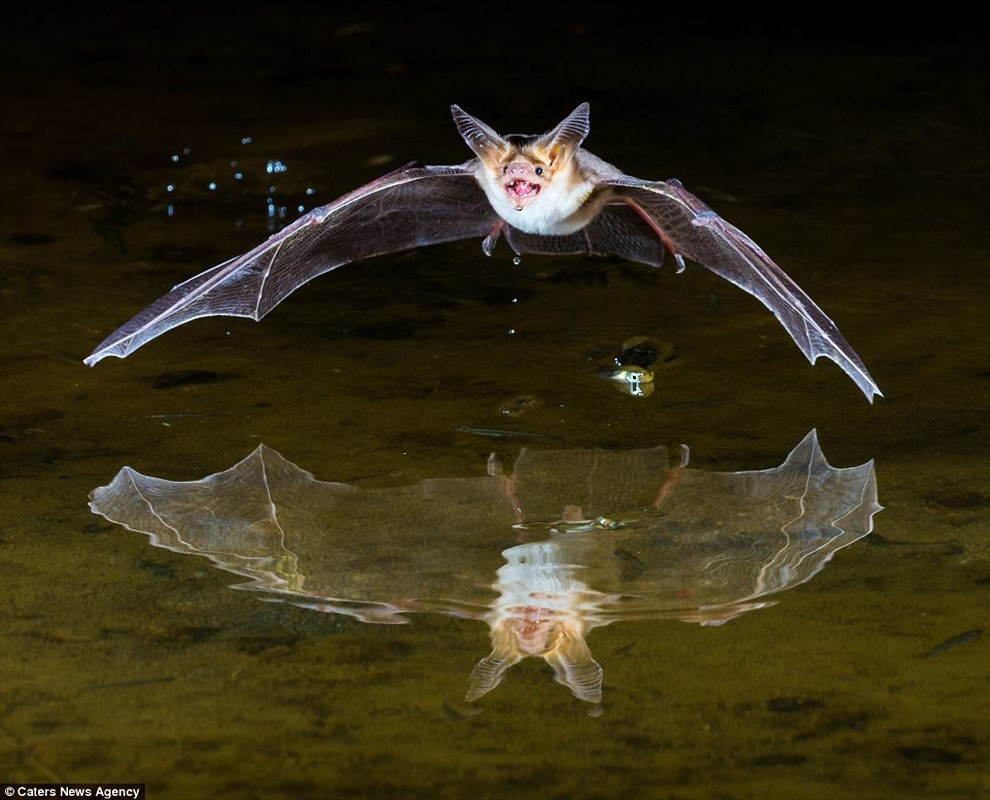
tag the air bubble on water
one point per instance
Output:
(310, 191)
(170, 187)
(517, 260)
(211, 186)
(247, 139)
(274, 165)
(275, 211)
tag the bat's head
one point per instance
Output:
(524, 166)
(531, 631)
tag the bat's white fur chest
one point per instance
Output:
(563, 206)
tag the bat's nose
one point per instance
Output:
(519, 169)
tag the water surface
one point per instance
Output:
(859, 164)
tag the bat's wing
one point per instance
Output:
(651, 217)
(413, 206)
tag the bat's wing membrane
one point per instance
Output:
(691, 229)
(615, 231)
(410, 207)
(420, 205)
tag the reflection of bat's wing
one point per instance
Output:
(411, 207)
(706, 547)
(366, 553)
(654, 216)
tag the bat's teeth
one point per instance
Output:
(521, 188)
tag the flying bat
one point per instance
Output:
(544, 194)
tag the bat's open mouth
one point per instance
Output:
(521, 190)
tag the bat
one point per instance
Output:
(566, 542)
(544, 194)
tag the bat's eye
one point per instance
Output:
(539, 170)
(505, 169)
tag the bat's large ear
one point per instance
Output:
(488, 673)
(576, 668)
(485, 142)
(564, 140)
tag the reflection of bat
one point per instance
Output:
(544, 194)
(611, 536)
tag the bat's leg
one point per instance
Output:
(661, 234)
(506, 485)
(508, 490)
(672, 475)
(488, 245)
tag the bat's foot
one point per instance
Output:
(488, 246)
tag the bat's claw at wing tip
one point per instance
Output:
(870, 390)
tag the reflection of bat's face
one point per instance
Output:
(535, 632)
(553, 634)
